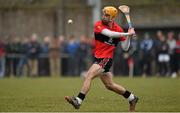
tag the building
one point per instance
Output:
(49, 17)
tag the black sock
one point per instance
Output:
(126, 94)
(81, 96)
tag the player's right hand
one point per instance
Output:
(131, 31)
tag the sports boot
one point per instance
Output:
(73, 101)
(132, 104)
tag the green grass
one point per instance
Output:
(47, 94)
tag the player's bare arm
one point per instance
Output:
(114, 34)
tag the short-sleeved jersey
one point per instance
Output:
(104, 45)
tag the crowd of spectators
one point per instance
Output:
(159, 55)
(71, 56)
(31, 57)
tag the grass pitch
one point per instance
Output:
(47, 95)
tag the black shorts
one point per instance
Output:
(105, 63)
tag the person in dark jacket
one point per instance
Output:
(33, 53)
(43, 61)
(163, 56)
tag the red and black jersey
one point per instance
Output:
(104, 45)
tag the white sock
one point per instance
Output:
(79, 100)
(131, 97)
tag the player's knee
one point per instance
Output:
(90, 75)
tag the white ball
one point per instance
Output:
(70, 21)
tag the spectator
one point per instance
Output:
(172, 44)
(43, 61)
(72, 47)
(24, 58)
(82, 54)
(33, 53)
(63, 56)
(134, 60)
(2, 59)
(157, 41)
(163, 56)
(13, 56)
(146, 47)
(117, 65)
(126, 63)
(8, 59)
(177, 58)
(16, 49)
(54, 57)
